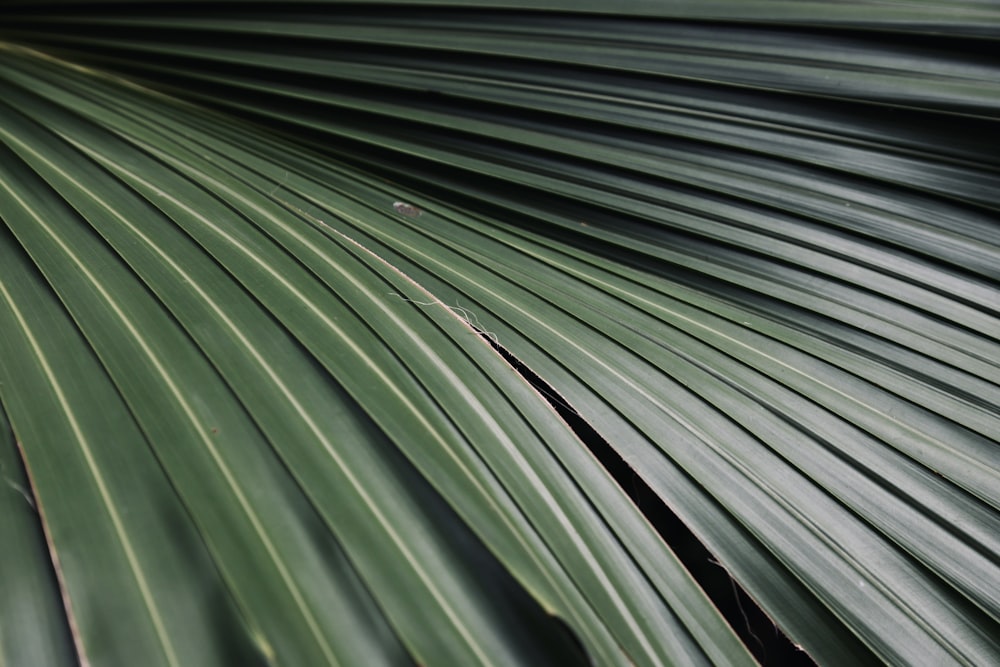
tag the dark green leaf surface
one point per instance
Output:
(754, 245)
(132, 540)
(414, 577)
(35, 630)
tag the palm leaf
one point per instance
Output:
(752, 246)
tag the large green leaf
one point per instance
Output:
(758, 256)
(205, 441)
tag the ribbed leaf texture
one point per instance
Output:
(356, 333)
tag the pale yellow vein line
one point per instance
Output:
(203, 434)
(523, 464)
(560, 515)
(777, 497)
(732, 340)
(357, 350)
(94, 469)
(288, 394)
(273, 375)
(453, 379)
